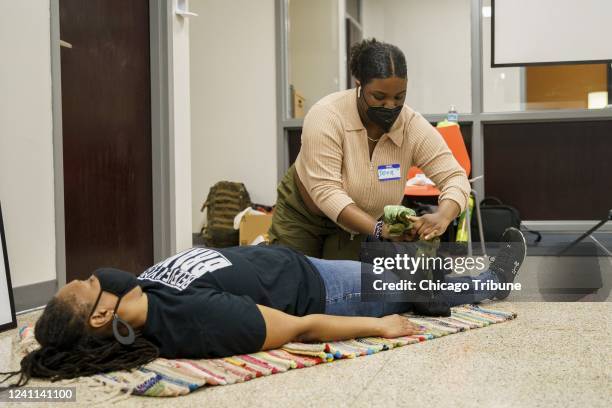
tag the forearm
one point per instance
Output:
(355, 219)
(448, 209)
(282, 328)
(320, 327)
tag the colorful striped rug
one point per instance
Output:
(170, 378)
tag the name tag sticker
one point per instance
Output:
(388, 172)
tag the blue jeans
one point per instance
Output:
(342, 281)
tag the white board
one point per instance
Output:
(7, 308)
(551, 31)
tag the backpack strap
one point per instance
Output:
(536, 233)
(490, 200)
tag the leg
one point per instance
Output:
(503, 270)
(473, 294)
(342, 281)
(341, 245)
(586, 234)
(293, 225)
(290, 230)
(479, 219)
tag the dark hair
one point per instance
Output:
(372, 59)
(68, 349)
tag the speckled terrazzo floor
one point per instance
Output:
(554, 354)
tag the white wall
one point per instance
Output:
(314, 49)
(233, 99)
(26, 151)
(435, 37)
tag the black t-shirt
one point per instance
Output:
(202, 302)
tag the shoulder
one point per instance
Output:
(411, 117)
(415, 125)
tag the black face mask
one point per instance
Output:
(118, 283)
(115, 281)
(383, 117)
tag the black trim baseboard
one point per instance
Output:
(31, 296)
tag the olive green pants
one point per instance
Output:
(313, 235)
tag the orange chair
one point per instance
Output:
(453, 138)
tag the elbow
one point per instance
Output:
(458, 195)
(331, 200)
(457, 188)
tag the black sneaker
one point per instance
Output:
(509, 259)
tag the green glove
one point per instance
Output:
(396, 218)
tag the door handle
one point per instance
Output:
(182, 9)
(65, 44)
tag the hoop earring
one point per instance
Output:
(125, 340)
(131, 336)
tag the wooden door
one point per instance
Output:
(106, 114)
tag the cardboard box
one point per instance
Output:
(298, 105)
(252, 226)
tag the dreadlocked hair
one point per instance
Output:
(371, 59)
(68, 349)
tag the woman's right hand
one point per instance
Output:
(396, 325)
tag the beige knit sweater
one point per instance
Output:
(335, 167)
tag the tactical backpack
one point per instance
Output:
(496, 217)
(225, 200)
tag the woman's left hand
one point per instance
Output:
(429, 226)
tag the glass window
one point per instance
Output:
(543, 87)
(313, 53)
(436, 38)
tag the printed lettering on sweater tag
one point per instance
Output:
(388, 172)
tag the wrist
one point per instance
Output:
(376, 326)
(447, 218)
(378, 230)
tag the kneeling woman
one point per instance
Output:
(220, 302)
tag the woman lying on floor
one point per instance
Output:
(215, 303)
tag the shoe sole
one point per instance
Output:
(504, 294)
(523, 241)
